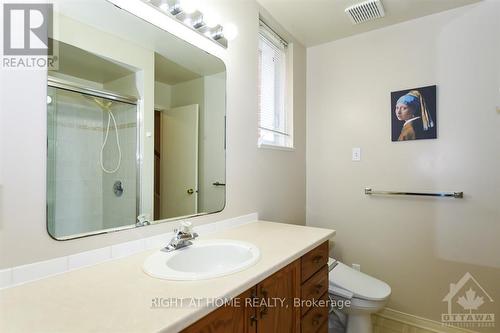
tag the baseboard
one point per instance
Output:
(392, 321)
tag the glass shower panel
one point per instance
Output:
(92, 163)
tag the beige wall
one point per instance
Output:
(163, 95)
(419, 246)
(269, 182)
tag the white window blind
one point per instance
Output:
(273, 121)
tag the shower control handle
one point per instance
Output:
(118, 188)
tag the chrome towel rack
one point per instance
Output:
(456, 195)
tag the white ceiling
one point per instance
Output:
(85, 65)
(171, 73)
(314, 22)
(88, 66)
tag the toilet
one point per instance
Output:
(366, 294)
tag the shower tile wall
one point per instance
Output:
(120, 210)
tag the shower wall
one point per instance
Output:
(80, 194)
(120, 210)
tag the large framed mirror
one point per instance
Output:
(135, 124)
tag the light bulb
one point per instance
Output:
(164, 6)
(49, 100)
(230, 31)
(211, 19)
(198, 22)
(217, 34)
(188, 6)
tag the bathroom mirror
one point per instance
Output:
(135, 124)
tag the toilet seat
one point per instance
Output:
(347, 282)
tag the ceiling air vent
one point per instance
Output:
(365, 11)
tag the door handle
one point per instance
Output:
(263, 310)
(218, 184)
(190, 191)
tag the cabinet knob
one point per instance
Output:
(317, 320)
(263, 312)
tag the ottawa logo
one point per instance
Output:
(464, 300)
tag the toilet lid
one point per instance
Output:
(359, 284)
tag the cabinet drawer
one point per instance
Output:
(314, 319)
(314, 260)
(314, 288)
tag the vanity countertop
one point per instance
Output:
(116, 296)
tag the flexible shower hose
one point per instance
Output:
(107, 107)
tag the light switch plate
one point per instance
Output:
(356, 154)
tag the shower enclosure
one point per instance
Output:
(92, 147)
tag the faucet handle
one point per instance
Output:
(186, 227)
(142, 220)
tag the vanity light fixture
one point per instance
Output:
(230, 31)
(205, 23)
(188, 6)
(210, 18)
(164, 6)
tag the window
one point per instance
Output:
(275, 121)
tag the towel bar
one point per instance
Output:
(456, 195)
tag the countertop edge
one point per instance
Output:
(185, 322)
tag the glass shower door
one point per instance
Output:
(92, 170)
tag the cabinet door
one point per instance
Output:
(228, 319)
(283, 286)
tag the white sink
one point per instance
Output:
(205, 259)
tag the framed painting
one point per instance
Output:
(413, 114)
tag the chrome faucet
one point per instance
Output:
(183, 237)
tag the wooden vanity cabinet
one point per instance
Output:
(228, 319)
(271, 306)
(282, 286)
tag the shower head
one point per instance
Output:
(105, 105)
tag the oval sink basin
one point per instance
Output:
(205, 259)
